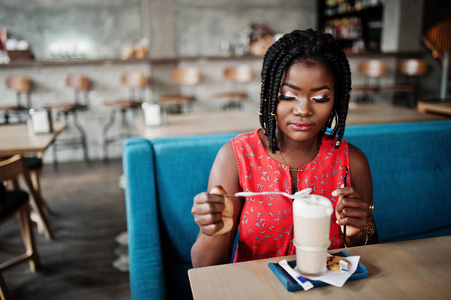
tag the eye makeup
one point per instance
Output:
(321, 98)
(287, 96)
(290, 96)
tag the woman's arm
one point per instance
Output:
(353, 208)
(217, 216)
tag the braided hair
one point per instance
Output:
(310, 46)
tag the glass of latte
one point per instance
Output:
(311, 217)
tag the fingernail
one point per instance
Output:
(335, 193)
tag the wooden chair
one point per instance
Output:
(136, 82)
(410, 70)
(68, 112)
(183, 77)
(16, 202)
(238, 75)
(34, 165)
(22, 86)
(31, 174)
(372, 71)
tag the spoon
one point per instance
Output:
(296, 195)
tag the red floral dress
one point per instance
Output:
(266, 222)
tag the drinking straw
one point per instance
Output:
(345, 182)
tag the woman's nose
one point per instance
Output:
(302, 108)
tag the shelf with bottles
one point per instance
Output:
(337, 8)
(355, 24)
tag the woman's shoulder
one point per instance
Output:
(357, 160)
(355, 152)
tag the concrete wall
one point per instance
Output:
(104, 26)
(174, 27)
(402, 25)
(203, 24)
(179, 27)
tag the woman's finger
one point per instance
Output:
(208, 219)
(353, 222)
(348, 212)
(208, 208)
(212, 229)
(353, 202)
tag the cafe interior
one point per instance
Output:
(104, 103)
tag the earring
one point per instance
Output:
(330, 120)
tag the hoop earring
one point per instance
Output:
(330, 119)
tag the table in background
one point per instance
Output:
(202, 122)
(440, 107)
(209, 122)
(417, 269)
(380, 113)
(17, 139)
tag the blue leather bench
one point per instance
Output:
(411, 171)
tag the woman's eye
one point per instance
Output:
(321, 99)
(286, 97)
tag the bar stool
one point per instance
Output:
(22, 86)
(136, 82)
(372, 71)
(183, 77)
(410, 70)
(68, 112)
(237, 76)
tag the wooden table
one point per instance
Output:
(205, 122)
(17, 139)
(440, 107)
(242, 121)
(417, 269)
(380, 113)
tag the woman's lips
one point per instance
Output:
(301, 126)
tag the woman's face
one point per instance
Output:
(306, 99)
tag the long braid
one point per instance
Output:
(298, 46)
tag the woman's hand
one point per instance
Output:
(351, 210)
(213, 213)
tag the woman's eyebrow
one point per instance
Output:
(291, 86)
(324, 87)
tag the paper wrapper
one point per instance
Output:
(338, 278)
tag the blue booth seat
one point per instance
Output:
(411, 171)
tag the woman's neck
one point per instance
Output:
(296, 154)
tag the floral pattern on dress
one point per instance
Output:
(266, 222)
